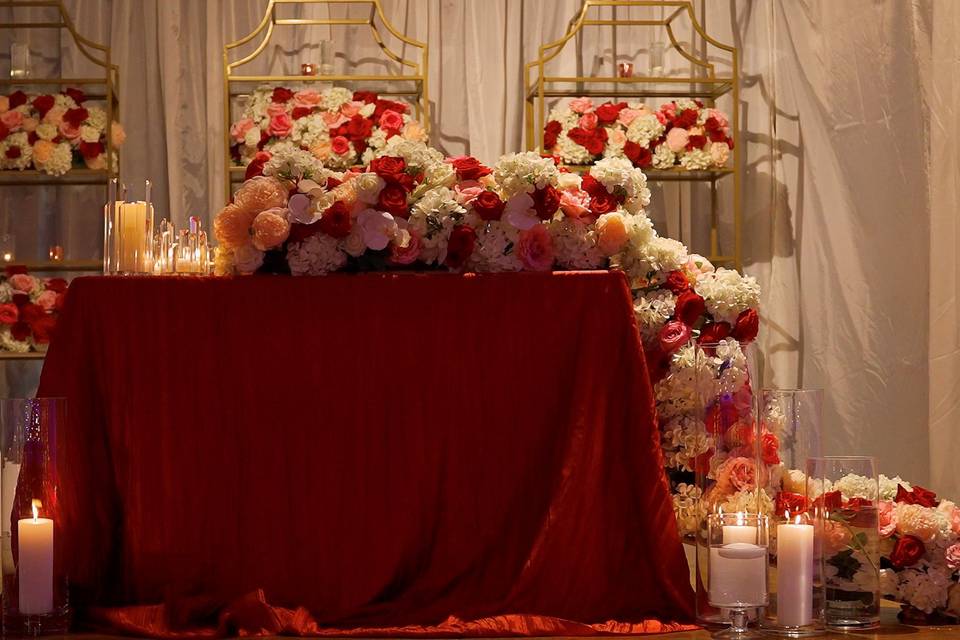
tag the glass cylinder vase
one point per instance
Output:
(729, 474)
(35, 595)
(843, 491)
(790, 433)
(737, 587)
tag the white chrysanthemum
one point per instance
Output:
(8, 343)
(856, 486)
(63, 101)
(496, 248)
(291, 162)
(727, 293)
(16, 141)
(336, 97)
(696, 160)
(571, 152)
(652, 310)
(97, 118)
(888, 486)
(46, 131)
(61, 160)
(524, 172)
(317, 255)
(644, 129)
(89, 134)
(575, 244)
(663, 157)
(440, 174)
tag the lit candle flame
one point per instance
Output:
(36, 509)
(798, 519)
(741, 518)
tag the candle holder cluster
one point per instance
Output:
(186, 251)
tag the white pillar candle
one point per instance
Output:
(794, 574)
(35, 563)
(133, 228)
(738, 575)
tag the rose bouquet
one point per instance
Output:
(28, 310)
(53, 133)
(682, 133)
(338, 127)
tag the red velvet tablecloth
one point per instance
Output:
(382, 454)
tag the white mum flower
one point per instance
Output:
(317, 255)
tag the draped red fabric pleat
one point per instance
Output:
(376, 454)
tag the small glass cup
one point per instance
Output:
(625, 69)
(738, 569)
(843, 491)
(657, 54)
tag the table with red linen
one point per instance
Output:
(400, 454)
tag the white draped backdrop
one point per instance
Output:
(851, 139)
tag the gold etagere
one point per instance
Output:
(409, 81)
(704, 82)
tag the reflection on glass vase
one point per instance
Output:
(34, 581)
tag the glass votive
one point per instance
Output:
(843, 491)
(657, 54)
(55, 253)
(625, 69)
(326, 57)
(35, 590)
(19, 60)
(737, 583)
(308, 69)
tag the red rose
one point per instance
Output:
(639, 155)
(602, 203)
(673, 335)
(90, 150)
(792, 503)
(359, 128)
(696, 142)
(42, 329)
(30, 313)
(368, 97)
(281, 94)
(469, 168)
(686, 119)
(255, 168)
(714, 332)
(393, 199)
(831, 501)
(388, 167)
(919, 495)
(335, 221)
(907, 551)
(21, 299)
(689, 308)
(550, 134)
(546, 201)
(13, 153)
(340, 145)
(20, 331)
(608, 112)
(712, 124)
(769, 448)
(677, 282)
(58, 285)
(747, 325)
(76, 117)
(77, 95)
(488, 206)
(388, 105)
(460, 246)
(598, 137)
(300, 112)
(9, 313)
(16, 99)
(43, 104)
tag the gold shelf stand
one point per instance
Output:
(705, 84)
(375, 20)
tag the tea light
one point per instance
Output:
(308, 69)
(625, 69)
(35, 565)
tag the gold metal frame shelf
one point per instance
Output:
(96, 53)
(16, 355)
(412, 85)
(704, 83)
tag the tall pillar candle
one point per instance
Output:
(794, 574)
(133, 227)
(35, 564)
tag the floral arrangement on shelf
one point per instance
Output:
(682, 133)
(54, 133)
(29, 307)
(338, 127)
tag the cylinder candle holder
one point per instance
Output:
(127, 232)
(35, 593)
(738, 568)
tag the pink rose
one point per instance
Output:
(308, 99)
(276, 109)
(626, 116)
(466, 192)
(887, 513)
(391, 121)
(238, 130)
(333, 119)
(407, 254)
(280, 125)
(535, 248)
(581, 105)
(352, 108)
(68, 131)
(12, 120)
(270, 229)
(23, 283)
(340, 146)
(589, 120)
(736, 474)
(952, 556)
(575, 203)
(47, 300)
(677, 139)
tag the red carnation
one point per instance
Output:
(460, 246)
(469, 168)
(608, 112)
(78, 96)
(550, 134)
(90, 150)
(714, 332)
(686, 119)
(31, 312)
(769, 448)
(696, 142)
(689, 308)
(42, 329)
(488, 206)
(76, 117)
(20, 331)
(300, 112)
(546, 201)
(907, 551)
(335, 221)
(43, 104)
(281, 95)
(16, 99)
(639, 155)
(746, 327)
(393, 199)
(9, 313)
(388, 167)
(59, 285)
(368, 97)
(13, 153)
(677, 282)
(792, 503)
(673, 335)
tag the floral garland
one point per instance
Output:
(682, 133)
(29, 307)
(338, 127)
(53, 133)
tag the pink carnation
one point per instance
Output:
(581, 105)
(887, 512)
(535, 248)
(280, 125)
(238, 130)
(952, 556)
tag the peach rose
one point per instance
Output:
(307, 99)
(68, 131)
(617, 137)
(626, 116)
(23, 283)
(259, 194)
(275, 110)
(118, 135)
(232, 226)
(391, 121)
(467, 192)
(270, 229)
(352, 108)
(42, 151)
(588, 121)
(47, 300)
(12, 120)
(30, 124)
(280, 125)
(414, 131)
(238, 130)
(535, 248)
(677, 139)
(98, 163)
(334, 119)
(575, 203)
(581, 105)
(612, 232)
(887, 512)
(54, 116)
(720, 153)
(320, 149)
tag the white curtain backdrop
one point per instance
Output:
(851, 164)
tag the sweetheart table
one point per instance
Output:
(368, 454)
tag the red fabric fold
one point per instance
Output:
(370, 455)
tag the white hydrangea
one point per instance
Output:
(888, 486)
(289, 161)
(645, 129)
(575, 244)
(665, 254)
(686, 500)
(417, 155)
(856, 486)
(9, 343)
(727, 293)
(652, 310)
(97, 118)
(524, 172)
(495, 249)
(6, 292)
(571, 152)
(63, 101)
(925, 590)
(61, 160)
(317, 255)
(46, 131)
(696, 160)
(336, 97)
(565, 116)
(663, 157)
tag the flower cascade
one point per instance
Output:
(29, 307)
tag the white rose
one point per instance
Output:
(568, 181)
(368, 186)
(89, 134)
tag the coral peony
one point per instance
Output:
(535, 248)
(736, 474)
(261, 193)
(270, 229)
(232, 226)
